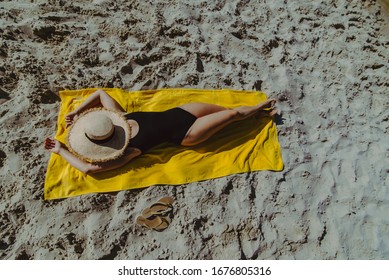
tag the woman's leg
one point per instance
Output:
(199, 110)
(202, 109)
(207, 125)
(248, 111)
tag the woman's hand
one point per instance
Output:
(52, 145)
(69, 118)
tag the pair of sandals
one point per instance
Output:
(156, 217)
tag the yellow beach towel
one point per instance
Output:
(249, 145)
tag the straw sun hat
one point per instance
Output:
(99, 135)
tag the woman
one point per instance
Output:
(107, 138)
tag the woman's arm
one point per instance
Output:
(97, 99)
(129, 155)
(86, 167)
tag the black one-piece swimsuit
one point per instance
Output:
(159, 127)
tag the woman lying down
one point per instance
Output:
(101, 131)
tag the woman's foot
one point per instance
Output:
(245, 112)
(266, 113)
(268, 104)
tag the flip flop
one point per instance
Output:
(156, 223)
(160, 208)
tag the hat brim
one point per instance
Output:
(87, 150)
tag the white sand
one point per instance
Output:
(327, 65)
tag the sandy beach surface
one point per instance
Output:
(326, 62)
